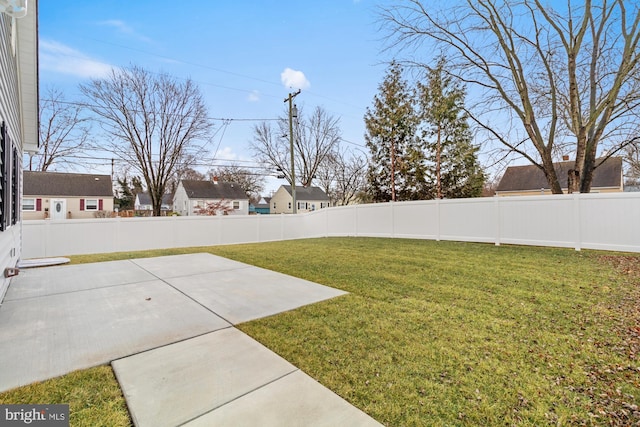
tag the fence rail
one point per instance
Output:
(590, 221)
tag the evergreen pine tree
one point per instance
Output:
(454, 169)
(391, 126)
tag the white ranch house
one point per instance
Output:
(191, 195)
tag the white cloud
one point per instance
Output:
(118, 24)
(58, 57)
(254, 96)
(294, 79)
(125, 29)
(226, 153)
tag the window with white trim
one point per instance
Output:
(91, 204)
(28, 204)
(236, 205)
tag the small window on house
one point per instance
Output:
(28, 204)
(8, 187)
(313, 207)
(16, 166)
(236, 204)
(91, 204)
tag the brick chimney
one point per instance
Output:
(565, 157)
(215, 180)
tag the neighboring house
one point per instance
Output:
(262, 208)
(57, 195)
(530, 180)
(191, 195)
(307, 198)
(143, 204)
(18, 122)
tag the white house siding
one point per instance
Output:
(181, 201)
(281, 202)
(11, 114)
(186, 206)
(194, 204)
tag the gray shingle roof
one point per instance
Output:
(66, 184)
(145, 199)
(209, 190)
(530, 177)
(308, 193)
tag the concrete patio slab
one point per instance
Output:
(166, 323)
(55, 280)
(172, 385)
(44, 337)
(186, 265)
(293, 400)
(251, 293)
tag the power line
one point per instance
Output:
(195, 64)
(222, 119)
(220, 70)
(212, 162)
(189, 63)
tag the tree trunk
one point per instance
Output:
(573, 181)
(393, 171)
(438, 153)
(550, 173)
(587, 169)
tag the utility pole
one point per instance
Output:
(293, 112)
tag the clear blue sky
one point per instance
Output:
(236, 51)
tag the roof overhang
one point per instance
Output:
(27, 52)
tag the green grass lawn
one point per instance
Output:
(446, 333)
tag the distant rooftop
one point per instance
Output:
(530, 177)
(66, 184)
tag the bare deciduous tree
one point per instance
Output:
(153, 121)
(632, 159)
(221, 207)
(63, 131)
(251, 182)
(343, 177)
(314, 139)
(568, 79)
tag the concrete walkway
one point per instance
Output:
(166, 324)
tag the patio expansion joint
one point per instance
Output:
(147, 350)
(26, 298)
(163, 280)
(241, 396)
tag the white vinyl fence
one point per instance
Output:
(591, 221)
